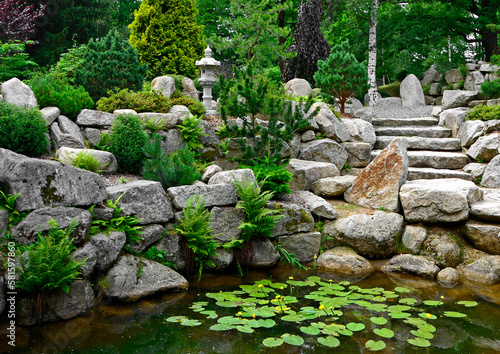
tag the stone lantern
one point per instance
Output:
(207, 77)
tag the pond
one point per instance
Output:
(143, 327)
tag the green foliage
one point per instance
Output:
(341, 75)
(8, 203)
(175, 169)
(148, 101)
(287, 257)
(484, 113)
(260, 220)
(191, 132)
(48, 264)
(84, 160)
(22, 130)
(153, 254)
(195, 227)
(14, 62)
(68, 63)
(129, 224)
(391, 90)
(126, 141)
(270, 176)
(167, 37)
(177, 80)
(110, 64)
(495, 60)
(491, 89)
(57, 92)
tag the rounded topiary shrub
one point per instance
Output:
(22, 130)
(126, 141)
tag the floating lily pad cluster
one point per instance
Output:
(320, 309)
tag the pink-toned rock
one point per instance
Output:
(378, 184)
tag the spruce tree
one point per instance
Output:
(110, 64)
(167, 37)
(341, 75)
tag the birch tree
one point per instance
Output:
(372, 54)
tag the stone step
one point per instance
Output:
(433, 159)
(420, 143)
(426, 132)
(434, 173)
(401, 122)
(394, 112)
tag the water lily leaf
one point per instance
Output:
(427, 327)
(292, 339)
(221, 327)
(353, 326)
(432, 302)
(384, 332)
(190, 323)
(378, 320)
(198, 309)
(377, 307)
(231, 320)
(375, 346)
(177, 319)
(263, 282)
(253, 324)
(422, 334)
(363, 303)
(454, 314)
(390, 294)
(314, 279)
(266, 323)
(345, 283)
(426, 315)
(292, 318)
(291, 299)
(397, 315)
(398, 308)
(329, 341)
(258, 294)
(278, 285)
(331, 331)
(401, 289)
(408, 301)
(354, 287)
(379, 298)
(263, 302)
(245, 329)
(345, 332)
(313, 331)
(318, 324)
(415, 321)
(226, 304)
(272, 342)
(200, 303)
(467, 303)
(209, 314)
(419, 342)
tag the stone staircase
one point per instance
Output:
(432, 152)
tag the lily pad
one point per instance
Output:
(433, 302)
(209, 314)
(355, 327)
(422, 334)
(467, 303)
(176, 319)
(419, 342)
(375, 346)
(190, 323)
(221, 327)
(313, 331)
(345, 332)
(384, 332)
(408, 301)
(245, 329)
(292, 339)
(272, 342)
(427, 315)
(266, 323)
(378, 320)
(329, 341)
(398, 315)
(401, 289)
(454, 314)
(398, 308)
(427, 327)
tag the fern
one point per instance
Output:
(287, 257)
(8, 203)
(191, 132)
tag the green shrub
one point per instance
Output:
(271, 177)
(148, 101)
(175, 169)
(495, 59)
(86, 161)
(110, 64)
(484, 113)
(22, 130)
(178, 81)
(125, 141)
(392, 90)
(194, 225)
(56, 92)
(68, 63)
(48, 264)
(14, 62)
(491, 89)
(191, 132)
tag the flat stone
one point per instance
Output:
(107, 161)
(400, 122)
(408, 263)
(150, 234)
(108, 248)
(453, 119)
(492, 125)
(210, 171)
(125, 111)
(358, 154)
(264, 254)
(413, 238)
(303, 245)
(389, 102)
(415, 173)
(332, 186)
(411, 92)
(329, 125)
(485, 148)
(470, 131)
(345, 261)
(475, 169)
(438, 200)
(486, 210)
(360, 131)
(421, 143)
(425, 132)
(50, 114)
(182, 111)
(434, 159)
(491, 175)
(48, 183)
(229, 177)
(458, 98)
(167, 120)
(485, 237)
(146, 200)
(317, 205)
(378, 184)
(296, 219)
(88, 253)
(305, 173)
(66, 133)
(453, 76)
(485, 270)
(225, 223)
(214, 195)
(17, 92)
(307, 136)
(92, 118)
(324, 150)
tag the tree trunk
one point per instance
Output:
(372, 54)
(489, 42)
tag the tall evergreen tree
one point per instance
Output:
(167, 37)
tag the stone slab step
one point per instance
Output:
(401, 122)
(433, 159)
(396, 112)
(421, 143)
(426, 132)
(434, 173)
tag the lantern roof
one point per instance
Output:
(208, 60)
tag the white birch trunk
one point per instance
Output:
(372, 54)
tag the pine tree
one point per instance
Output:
(167, 37)
(110, 63)
(341, 75)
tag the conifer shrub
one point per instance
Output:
(22, 130)
(270, 176)
(110, 64)
(57, 92)
(491, 89)
(484, 113)
(68, 63)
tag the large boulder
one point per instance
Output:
(430, 76)
(173, 246)
(172, 140)
(485, 270)
(442, 249)
(67, 133)
(453, 119)
(458, 98)
(324, 150)
(361, 131)
(358, 154)
(412, 94)
(133, 278)
(448, 277)
(298, 87)
(453, 76)
(317, 205)
(229, 177)
(485, 237)
(329, 125)
(413, 238)
(163, 84)
(408, 263)
(475, 169)
(378, 184)
(303, 245)
(485, 148)
(305, 173)
(188, 88)
(486, 210)
(470, 131)
(372, 235)
(295, 218)
(92, 118)
(213, 195)
(473, 81)
(225, 223)
(48, 183)
(344, 261)
(145, 199)
(491, 175)
(332, 186)
(264, 254)
(438, 200)
(50, 114)
(107, 161)
(38, 221)
(108, 248)
(88, 253)
(150, 234)
(164, 120)
(16, 92)
(389, 102)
